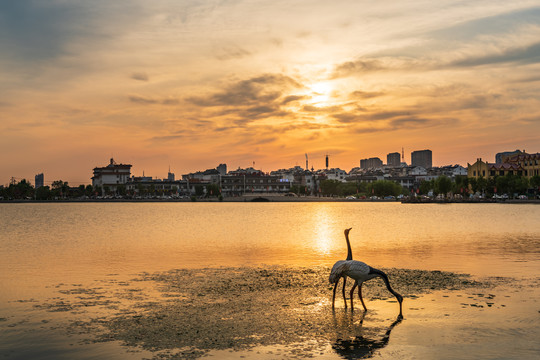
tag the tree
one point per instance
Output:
(21, 190)
(461, 183)
(121, 190)
(534, 182)
(89, 190)
(59, 188)
(199, 190)
(443, 185)
(481, 184)
(384, 188)
(43, 193)
(425, 187)
(330, 187)
(212, 190)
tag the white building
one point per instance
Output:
(111, 175)
(336, 174)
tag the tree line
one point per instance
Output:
(57, 190)
(509, 184)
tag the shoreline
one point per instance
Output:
(277, 198)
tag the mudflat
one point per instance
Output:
(256, 312)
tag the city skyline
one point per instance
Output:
(191, 84)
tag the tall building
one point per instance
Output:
(422, 158)
(111, 175)
(374, 162)
(500, 157)
(39, 180)
(222, 169)
(393, 159)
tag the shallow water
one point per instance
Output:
(48, 247)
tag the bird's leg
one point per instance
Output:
(360, 296)
(334, 295)
(343, 291)
(352, 293)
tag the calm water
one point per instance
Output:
(46, 244)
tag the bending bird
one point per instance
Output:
(362, 272)
(335, 275)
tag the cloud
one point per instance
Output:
(166, 138)
(321, 109)
(141, 76)
(530, 120)
(231, 52)
(363, 65)
(487, 27)
(262, 89)
(364, 94)
(523, 55)
(293, 98)
(409, 122)
(379, 63)
(386, 115)
(151, 101)
(346, 118)
(245, 101)
(33, 31)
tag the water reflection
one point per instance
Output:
(356, 342)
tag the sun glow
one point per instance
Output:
(320, 94)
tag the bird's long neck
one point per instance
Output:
(386, 281)
(349, 250)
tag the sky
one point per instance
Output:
(187, 85)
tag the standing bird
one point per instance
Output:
(361, 272)
(335, 275)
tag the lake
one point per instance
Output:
(47, 249)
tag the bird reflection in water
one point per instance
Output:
(352, 341)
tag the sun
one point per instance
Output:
(320, 93)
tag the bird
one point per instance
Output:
(335, 275)
(362, 272)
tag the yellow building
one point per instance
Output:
(522, 164)
(528, 163)
(478, 169)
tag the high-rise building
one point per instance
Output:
(393, 159)
(374, 162)
(500, 157)
(222, 169)
(39, 180)
(422, 158)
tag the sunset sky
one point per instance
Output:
(192, 84)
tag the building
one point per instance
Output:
(335, 174)
(422, 158)
(145, 186)
(371, 163)
(528, 164)
(239, 184)
(520, 164)
(500, 157)
(111, 176)
(170, 175)
(222, 169)
(39, 180)
(393, 159)
(478, 169)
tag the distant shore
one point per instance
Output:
(278, 198)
